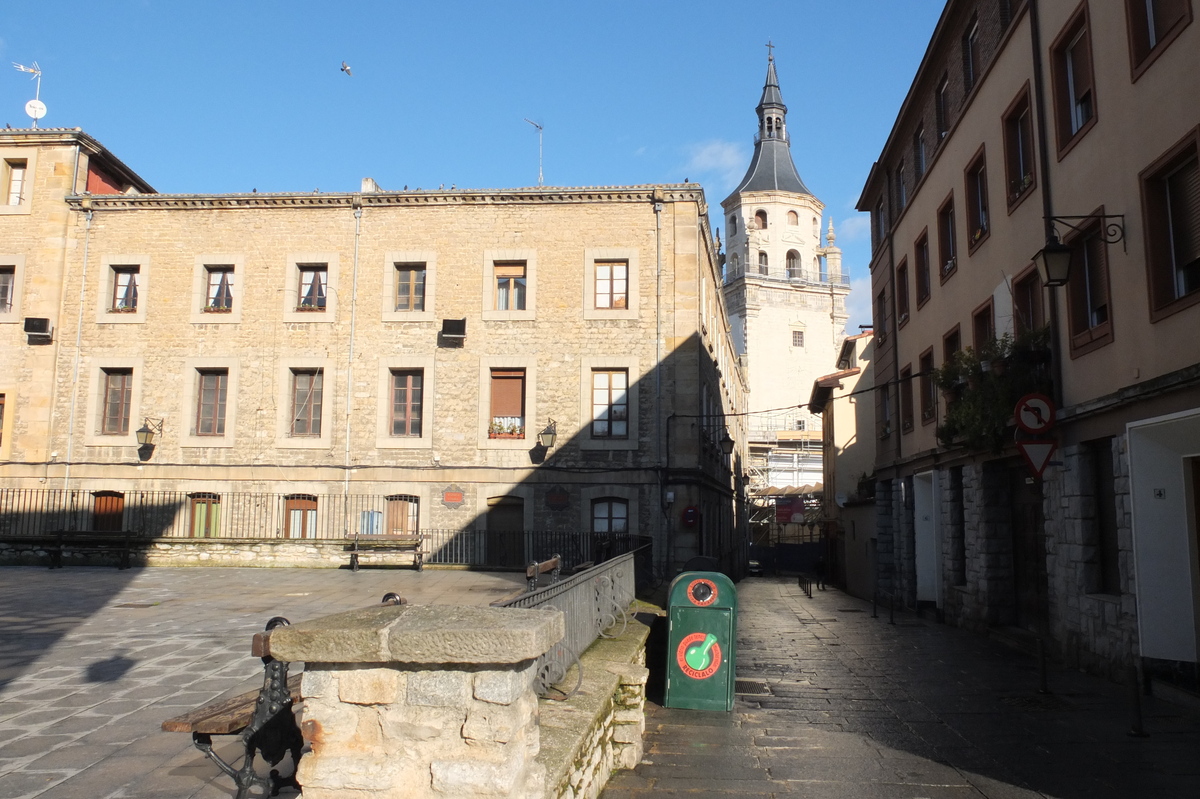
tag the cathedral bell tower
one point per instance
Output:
(785, 293)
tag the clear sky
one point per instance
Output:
(232, 96)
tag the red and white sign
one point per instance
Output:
(1037, 454)
(1034, 413)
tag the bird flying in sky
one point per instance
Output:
(346, 69)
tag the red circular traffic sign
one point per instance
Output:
(1034, 413)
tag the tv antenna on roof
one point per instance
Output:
(35, 107)
(539, 128)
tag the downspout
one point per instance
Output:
(1039, 93)
(895, 321)
(658, 389)
(87, 237)
(350, 363)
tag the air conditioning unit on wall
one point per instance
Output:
(38, 330)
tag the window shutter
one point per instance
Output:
(1183, 193)
(510, 269)
(508, 392)
(1082, 56)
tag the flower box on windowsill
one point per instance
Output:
(122, 310)
(310, 309)
(1020, 186)
(507, 435)
(209, 309)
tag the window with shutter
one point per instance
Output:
(1088, 308)
(1171, 211)
(508, 403)
(1071, 75)
(1153, 24)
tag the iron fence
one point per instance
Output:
(259, 517)
(594, 604)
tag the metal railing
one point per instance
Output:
(595, 604)
(276, 517)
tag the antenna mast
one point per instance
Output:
(539, 130)
(35, 108)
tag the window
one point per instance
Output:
(124, 289)
(928, 404)
(610, 515)
(612, 284)
(1153, 24)
(1071, 74)
(797, 338)
(793, 265)
(108, 511)
(403, 514)
(971, 58)
(977, 201)
(406, 402)
(410, 287)
(762, 263)
(1018, 149)
(902, 292)
(15, 173)
(947, 240)
(210, 402)
(314, 283)
(951, 344)
(906, 399)
(510, 285)
(610, 403)
(983, 324)
(919, 153)
(306, 402)
(206, 515)
(941, 103)
(921, 254)
(508, 404)
(300, 516)
(1027, 302)
(760, 220)
(8, 286)
(901, 191)
(879, 228)
(793, 218)
(881, 316)
(733, 226)
(118, 396)
(1087, 292)
(885, 413)
(1171, 210)
(218, 297)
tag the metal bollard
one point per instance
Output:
(1043, 688)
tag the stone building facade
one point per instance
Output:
(320, 364)
(1028, 125)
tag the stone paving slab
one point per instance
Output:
(859, 708)
(92, 660)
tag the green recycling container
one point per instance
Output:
(701, 641)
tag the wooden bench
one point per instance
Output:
(413, 543)
(81, 541)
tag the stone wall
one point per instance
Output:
(313, 554)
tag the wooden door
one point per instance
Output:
(1030, 584)
(108, 512)
(506, 531)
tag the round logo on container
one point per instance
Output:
(702, 592)
(698, 655)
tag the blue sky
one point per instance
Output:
(230, 96)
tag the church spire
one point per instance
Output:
(771, 168)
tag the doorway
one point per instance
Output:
(926, 551)
(1030, 583)
(505, 523)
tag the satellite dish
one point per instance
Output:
(35, 109)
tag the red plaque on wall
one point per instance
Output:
(453, 497)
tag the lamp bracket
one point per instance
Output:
(154, 424)
(1113, 230)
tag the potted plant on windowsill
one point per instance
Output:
(123, 309)
(310, 308)
(212, 309)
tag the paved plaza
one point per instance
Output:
(93, 660)
(856, 708)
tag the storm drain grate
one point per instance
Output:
(1036, 702)
(751, 687)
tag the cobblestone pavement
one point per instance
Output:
(93, 660)
(860, 708)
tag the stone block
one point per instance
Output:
(503, 687)
(498, 723)
(477, 777)
(438, 688)
(349, 772)
(317, 683)
(405, 723)
(369, 686)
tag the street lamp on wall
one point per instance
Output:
(1054, 260)
(548, 435)
(145, 436)
(727, 443)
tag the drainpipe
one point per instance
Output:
(357, 204)
(1039, 93)
(87, 237)
(658, 387)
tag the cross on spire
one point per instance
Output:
(770, 51)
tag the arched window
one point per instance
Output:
(735, 263)
(760, 220)
(733, 226)
(816, 227)
(300, 516)
(793, 264)
(762, 263)
(793, 218)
